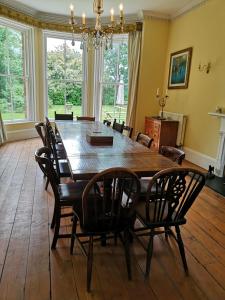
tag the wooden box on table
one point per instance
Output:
(98, 138)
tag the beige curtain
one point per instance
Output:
(134, 55)
(2, 131)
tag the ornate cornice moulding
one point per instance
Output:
(189, 7)
(29, 20)
(58, 22)
(148, 14)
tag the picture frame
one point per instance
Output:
(179, 70)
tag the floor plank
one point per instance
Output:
(30, 270)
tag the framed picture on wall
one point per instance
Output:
(180, 63)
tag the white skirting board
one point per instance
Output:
(22, 134)
(198, 158)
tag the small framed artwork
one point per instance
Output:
(180, 63)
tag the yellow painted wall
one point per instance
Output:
(152, 66)
(203, 28)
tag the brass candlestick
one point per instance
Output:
(162, 104)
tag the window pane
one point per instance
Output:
(56, 97)
(112, 107)
(5, 98)
(11, 51)
(123, 62)
(74, 98)
(108, 96)
(19, 103)
(55, 58)
(114, 87)
(73, 61)
(125, 94)
(15, 84)
(64, 98)
(15, 49)
(3, 51)
(110, 64)
(65, 73)
(12, 99)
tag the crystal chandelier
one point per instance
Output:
(100, 36)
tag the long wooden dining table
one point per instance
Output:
(86, 160)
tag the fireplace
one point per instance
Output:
(220, 159)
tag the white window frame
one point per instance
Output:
(98, 76)
(64, 36)
(29, 68)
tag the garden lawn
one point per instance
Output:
(109, 112)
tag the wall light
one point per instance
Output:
(204, 68)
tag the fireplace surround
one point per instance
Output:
(220, 159)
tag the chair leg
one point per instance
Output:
(181, 248)
(103, 240)
(149, 254)
(73, 235)
(127, 252)
(46, 185)
(166, 231)
(53, 218)
(57, 226)
(89, 263)
(115, 239)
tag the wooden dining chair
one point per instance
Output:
(59, 146)
(86, 118)
(63, 117)
(117, 126)
(65, 195)
(144, 139)
(48, 126)
(61, 164)
(106, 210)
(106, 122)
(40, 128)
(170, 195)
(174, 154)
(58, 153)
(127, 130)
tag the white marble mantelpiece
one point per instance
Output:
(220, 159)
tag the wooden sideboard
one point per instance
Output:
(164, 132)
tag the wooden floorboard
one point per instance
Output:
(29, 269)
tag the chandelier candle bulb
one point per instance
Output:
(121, 10)
(157, 92)
(83, 19)
(166, 94)
(112, 15)
(72, 10)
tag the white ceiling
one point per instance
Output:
(167, 7)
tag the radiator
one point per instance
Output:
(181, 127)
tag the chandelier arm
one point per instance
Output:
(99, 36)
